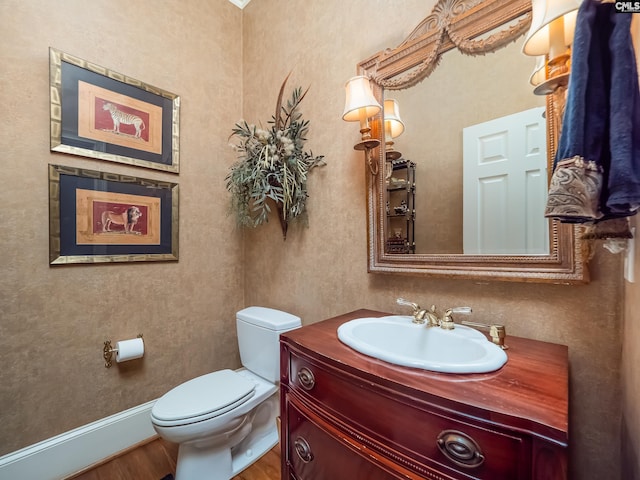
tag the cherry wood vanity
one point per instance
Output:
(348, 416)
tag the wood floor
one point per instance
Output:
(154, 460)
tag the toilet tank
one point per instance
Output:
(259, 330)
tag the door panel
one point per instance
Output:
(505, 185)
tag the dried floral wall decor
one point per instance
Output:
(272, 166)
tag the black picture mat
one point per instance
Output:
(68, 246)
(71, 75)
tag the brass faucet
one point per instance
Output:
(421, 315)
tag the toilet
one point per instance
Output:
(226, 420)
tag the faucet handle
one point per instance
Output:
(463, 310)
(447, 320)
(418, 313)
(407, 303)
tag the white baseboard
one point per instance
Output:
(73, 451)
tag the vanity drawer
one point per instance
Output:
(316, 451)
(428, 437)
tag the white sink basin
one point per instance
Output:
(395, 339)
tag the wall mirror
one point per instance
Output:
(459, 73)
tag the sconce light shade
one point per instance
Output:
(552, 27)
(360, 100)
(539, 72)
(360, 104)
(393, 124)
(393, 127)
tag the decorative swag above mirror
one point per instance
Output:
(475, 28)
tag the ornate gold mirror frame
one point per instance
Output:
(474, 27)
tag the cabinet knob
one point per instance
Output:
(306, 378)
(460, 448)
(303, 449)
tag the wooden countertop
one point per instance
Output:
(530, 393)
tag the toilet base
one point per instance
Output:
(194, 462)
(247, 453)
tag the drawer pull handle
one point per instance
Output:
(460, 448)
(306, 378)
(303, 449)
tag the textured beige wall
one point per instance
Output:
(54, 320)
(631, 343)
(322, 271)
(630, 377)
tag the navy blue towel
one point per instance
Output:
(597, 166)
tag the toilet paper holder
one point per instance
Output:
(108, 351)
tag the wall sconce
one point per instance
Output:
(551, 34)
(360, 105)
(393, 127)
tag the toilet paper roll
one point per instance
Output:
(129, 349)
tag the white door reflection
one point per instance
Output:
(505, 186)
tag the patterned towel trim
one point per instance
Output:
(574, 192)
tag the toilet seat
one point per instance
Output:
(202, 398)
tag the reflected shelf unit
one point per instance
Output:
(401, 212)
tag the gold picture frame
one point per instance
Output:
(100, 217)
(99, 113)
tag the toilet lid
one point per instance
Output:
(203, 397)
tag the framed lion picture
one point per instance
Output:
(99, 217)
